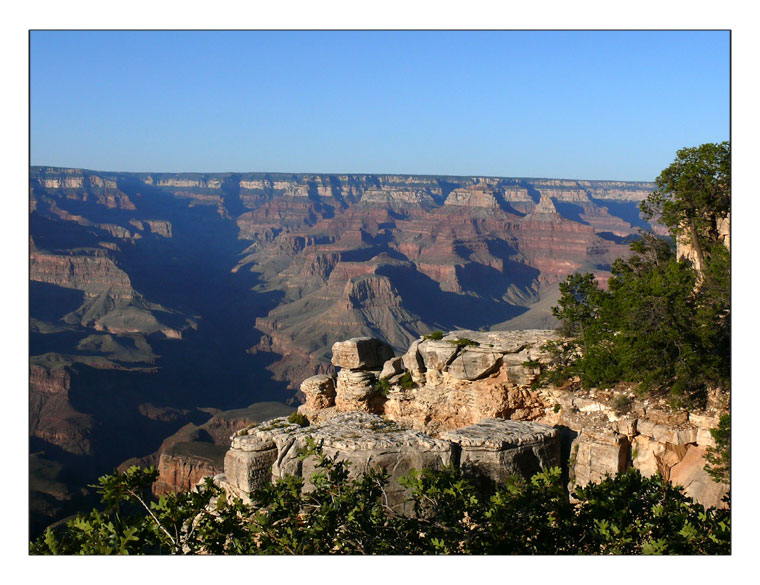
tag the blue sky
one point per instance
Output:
(586, 105)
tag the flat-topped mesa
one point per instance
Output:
(493, 450)
(473, 196)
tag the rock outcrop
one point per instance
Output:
(456, 387)
(198, 451)
(602, 437)
(498, 449)
(493, 449)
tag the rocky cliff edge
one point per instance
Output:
(468, 398)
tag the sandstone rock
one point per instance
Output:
(354, 385)
(364, 440)
(473, 196)
(667, 434)
(492, 448)
(667, 417)
(361, 353)
(690, 474)
(413, 362)
(473, 363)
(355, 391)
(625, 426)
(248, 465)
(520, 375)
(319, 392)
(668, 457)
(436, 355)
(644, 453)
(704, 438)
(178, 473)
(498, 449)
(598, 453)
(314, 415)
(392, 367)
(704, 423)
(545, 210)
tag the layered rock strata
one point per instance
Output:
(443, 386)
(601, 438)
(493, 449)
(458, 380)
(498, 449)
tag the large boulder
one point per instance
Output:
(392, 367)
(248, 463)
(319, 392)
(437, 355)
(355, 388)
(413, 362)
(473, 363)
(497, 449)
(493, 448)
(361, 353)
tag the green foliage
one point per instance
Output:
(579, 304)
(693, 195)
(382, 387)
(434, 335)
(631, 514)
(626, 514)
(463, 342)
(719, 457)
(299, 419)
(406, 381)
(662, 323)
(622, 404)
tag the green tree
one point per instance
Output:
(693, 195)
(719, 456)
(662, 324)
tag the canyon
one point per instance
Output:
(168, 311)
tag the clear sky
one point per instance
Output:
(585, 105)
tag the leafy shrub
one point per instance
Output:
(406, 381)
(382, 387)
(625, 514)
(622, 404)
(664, 323)
(719, 456)
(434, 335)
(463, 342)
(298, 419)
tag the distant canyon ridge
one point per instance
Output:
(159, 301)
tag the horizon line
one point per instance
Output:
(479, 176)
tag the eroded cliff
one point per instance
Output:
(465, 381)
